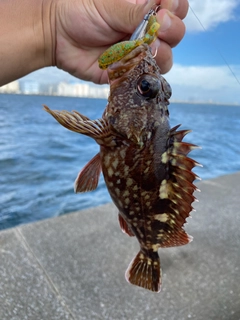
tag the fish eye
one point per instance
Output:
(148, 86)
(166, 88)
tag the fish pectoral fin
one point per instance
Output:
(77, 122)
(144, 271)
(124, 226)
(88, 177)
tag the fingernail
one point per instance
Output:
(174, 6)
(166, 23)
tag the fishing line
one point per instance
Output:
(216, 47)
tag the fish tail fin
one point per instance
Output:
(144, 271)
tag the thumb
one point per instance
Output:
(124, 16)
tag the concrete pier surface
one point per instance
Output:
(72, 267)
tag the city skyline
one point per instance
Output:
(68, 89)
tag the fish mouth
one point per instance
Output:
(118, 71)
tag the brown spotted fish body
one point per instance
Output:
(144, 162)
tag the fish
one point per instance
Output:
(144, 162)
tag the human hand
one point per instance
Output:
(85, 29)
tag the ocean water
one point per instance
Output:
(39, 159)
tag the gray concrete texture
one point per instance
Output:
(72, 267)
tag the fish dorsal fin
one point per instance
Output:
(124, 226)
(77, 122)
(88, 177)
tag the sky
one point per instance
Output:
(207, 61)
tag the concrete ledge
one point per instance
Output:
(72, 267)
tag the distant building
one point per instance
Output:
(46, 88)
(65, 89)
(100, 92)
(12, 87)
(75, 89)
(30, 87)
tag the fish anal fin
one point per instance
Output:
(88, 177)
(176, 238)
(144, 271)
(124, 226)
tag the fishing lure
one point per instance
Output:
(145, 33)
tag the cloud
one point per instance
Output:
(210, 13)
(205, 83)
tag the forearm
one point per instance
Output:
(26, 37)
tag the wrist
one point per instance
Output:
(48, 36)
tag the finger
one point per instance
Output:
(163, 57)
(128, 14)
(178, 7)
(172, 29)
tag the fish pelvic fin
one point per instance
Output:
(88, 177)
(144, 271)
(124, 226)
(79, 123)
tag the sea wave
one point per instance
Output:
(39, 159)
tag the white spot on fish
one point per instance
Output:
(117, 191)
(155, 247)
(165, 157)
(115, 163)
(107, 161)
(161, 217)
(127, 201)
(110, 172)
(174, 162)
(129, 182)
(126, 193)
(164, 190)
(177, 212)
(149, 135)
(123, 153)
(126, 171)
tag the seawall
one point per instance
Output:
(72, 267)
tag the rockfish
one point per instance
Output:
(144, 162)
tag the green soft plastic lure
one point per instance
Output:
(121, 49)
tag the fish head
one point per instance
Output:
(138, 95)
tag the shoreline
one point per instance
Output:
(230, 104)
